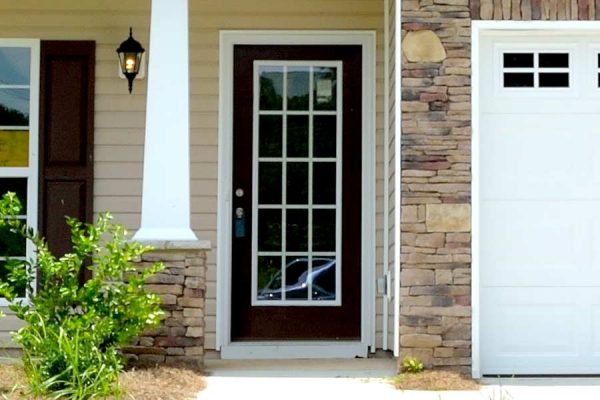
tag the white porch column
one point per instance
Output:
(166, 186)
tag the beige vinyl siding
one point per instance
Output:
(120, 117)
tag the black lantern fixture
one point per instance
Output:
(130, 58)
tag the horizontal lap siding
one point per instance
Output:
(120, 117)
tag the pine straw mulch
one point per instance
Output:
(156, 383)
(434, 380)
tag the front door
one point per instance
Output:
(296, 210)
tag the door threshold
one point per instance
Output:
(294, 350)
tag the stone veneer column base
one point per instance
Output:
(179, 340)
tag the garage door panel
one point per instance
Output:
(535, 243)
(540, 158)
(541, 331)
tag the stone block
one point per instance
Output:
(448, 218)
(191, 302)
(420, 340)
(175, 351)
(165, 289)
(423, 46)
(433, 240)
(443, 277)
(443, 352)
(194, 351)
(195, 332)
(165, 279)
(416, 277)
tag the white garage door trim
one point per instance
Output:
(497, 28)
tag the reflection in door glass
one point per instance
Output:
(14, 107)
(271, 88)
(298, 88)
(297, 135)
(269, 278)
(325, 88)
(269, 230)
(14, 65)
(269, 136)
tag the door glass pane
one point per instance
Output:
(269, 183)
(297, 230)
(298, 88)
(269, 136)
(325, 136)
(323, 230)
(297, 183)
(325, 88)
(14, 65)
(269, 278)
(19, 290)
(11, 244)
(14, 107)
(271, 88)
(14, 148)
(16, 185)
(296, 278)
(324, 183)
(297, 136)
(323, 278)
(269, 230)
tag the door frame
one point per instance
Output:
(498, 29)
(295, 349)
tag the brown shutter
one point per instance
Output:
(66, 138)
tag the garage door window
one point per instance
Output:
(535, 70)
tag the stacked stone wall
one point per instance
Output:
(179, 340)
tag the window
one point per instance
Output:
(19, 87)
(535, 70)
(297, 170)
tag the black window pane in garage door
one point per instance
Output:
(518, 60)
(554, 60)
(515, 79)
(554, 80)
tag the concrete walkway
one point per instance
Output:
(365, 379)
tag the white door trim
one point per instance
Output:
(228, 39)
(497, 28)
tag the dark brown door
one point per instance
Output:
(296, 215)
(66, 137)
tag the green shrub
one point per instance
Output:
(74, 331)
(412, 365)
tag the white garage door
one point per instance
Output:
(539, 204)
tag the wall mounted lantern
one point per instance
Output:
(130, 58)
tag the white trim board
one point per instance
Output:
(325, 349)
(499, 29)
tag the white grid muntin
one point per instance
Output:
(309, 206)
(536, 70)
(31, 171)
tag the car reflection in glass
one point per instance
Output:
(298, 281)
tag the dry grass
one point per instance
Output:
(434, 380)
(160, 383)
